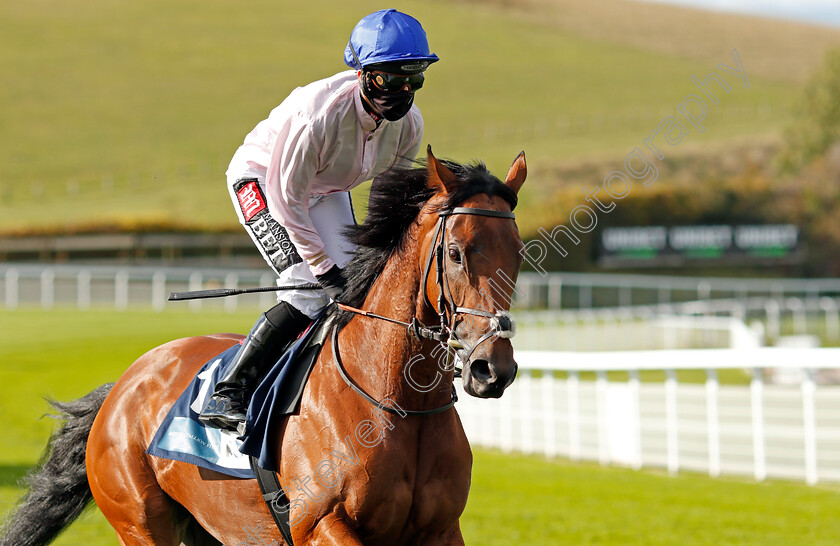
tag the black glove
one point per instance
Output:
(332, 282)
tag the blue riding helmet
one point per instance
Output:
(386, 36)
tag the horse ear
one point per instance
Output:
(517, 173)
(439, 175)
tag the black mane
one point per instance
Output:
(396, 198)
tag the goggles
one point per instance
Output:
(392, 83)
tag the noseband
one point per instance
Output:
(501, 323)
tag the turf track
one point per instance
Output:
(513, 500)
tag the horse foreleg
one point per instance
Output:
(454, 537)
(332, 530)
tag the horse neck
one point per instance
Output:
(378, 351)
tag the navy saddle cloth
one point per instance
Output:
(182, 437)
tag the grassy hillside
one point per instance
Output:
(513, 499)
(127, 114)
(776, 49)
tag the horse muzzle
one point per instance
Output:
(488, 364)
(487, 376)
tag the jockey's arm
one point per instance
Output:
(294, 162)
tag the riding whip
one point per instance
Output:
(223, 292)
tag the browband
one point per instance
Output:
(478, 212)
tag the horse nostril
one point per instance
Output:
(513, 375)
(480, 370)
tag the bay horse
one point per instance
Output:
(357, 475)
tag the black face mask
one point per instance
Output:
(392, 106)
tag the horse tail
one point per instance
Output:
(58, 489)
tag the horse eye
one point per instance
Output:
(454, 255)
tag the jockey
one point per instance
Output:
(290, 183)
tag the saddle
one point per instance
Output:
(279, 392)
(274, 398)
(182, 437)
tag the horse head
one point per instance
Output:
(473, 239)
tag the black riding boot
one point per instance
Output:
(272, 331)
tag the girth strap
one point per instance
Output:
(276, 499)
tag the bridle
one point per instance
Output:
(501, 323)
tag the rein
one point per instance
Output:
(501, 323)
(343, 373)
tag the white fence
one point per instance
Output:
(803, 306)
(695, 324)
(789, 431)
(135, 285)
(594, 290)
(687, 324)
(761, 429)
(122, 287)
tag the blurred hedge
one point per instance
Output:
(796, 181)
(735, 186)
(816, 125)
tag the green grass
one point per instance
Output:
(514, 499)
(130, 112)
(527, 500)
(64, 354)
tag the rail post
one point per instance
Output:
(12, 288)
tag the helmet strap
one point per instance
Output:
(355, 57)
